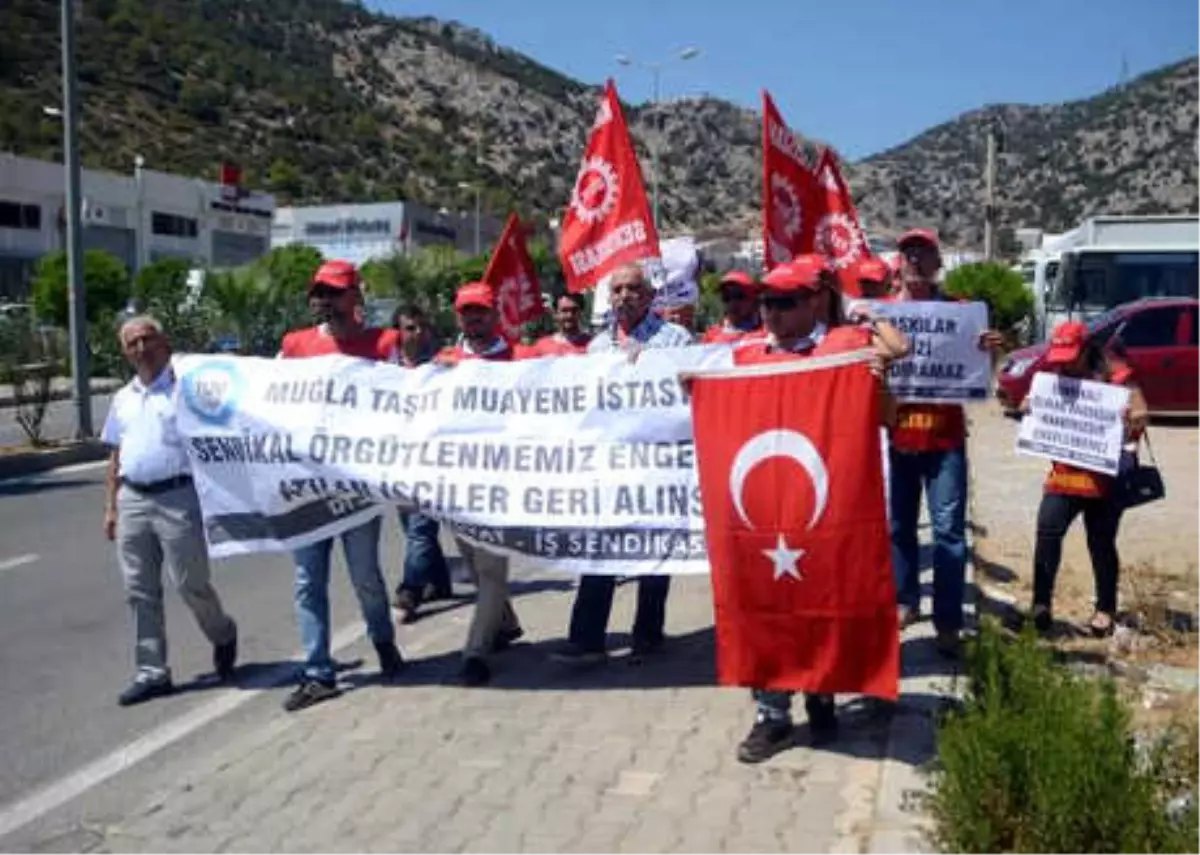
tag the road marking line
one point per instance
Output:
(18, 561)
(56, 794)
(78, 467)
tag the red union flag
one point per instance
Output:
(608, 221)
(838, 235)
(789, 191)
(512, 275)
(792, 484)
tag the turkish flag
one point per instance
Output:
(792, 484)
(608, 221)
(513, 277)
(838, 234)
(789, 191)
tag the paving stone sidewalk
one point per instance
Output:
(621, 757)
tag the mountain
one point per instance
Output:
(325, 101)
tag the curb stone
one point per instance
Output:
(33, 462)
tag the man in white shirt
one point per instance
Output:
(152, 512)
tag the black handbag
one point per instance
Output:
(1138, 484)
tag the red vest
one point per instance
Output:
(378, 344)
(837, 340)
(555, 345)
(458, 353)
(721, 334)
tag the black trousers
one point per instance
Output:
(1100, 520)
(593, 604)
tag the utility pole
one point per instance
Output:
(989, 210)
(81, 393)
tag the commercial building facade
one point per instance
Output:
(139, 218)
(363, 232)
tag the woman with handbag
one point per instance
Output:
(1070, 491)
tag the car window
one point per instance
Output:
(1186, 333)
(1151, 328)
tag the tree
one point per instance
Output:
(1002, 288)
(163, 288)
(106, 285)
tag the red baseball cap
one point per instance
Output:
(474, 294)
(739, 278)
(802, 272)
(872, 269)
(1067, 342)
(927, 236)
(336, 274)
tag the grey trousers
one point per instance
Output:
(493, 610)
(149, 529)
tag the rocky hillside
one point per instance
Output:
(321, 100)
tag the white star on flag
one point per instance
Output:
(784, 559)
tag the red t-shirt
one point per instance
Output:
(556, 345)
(373, 343)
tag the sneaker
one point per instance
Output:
(310, 692)
(766, 739)
(505, 639)
(140, 691)
(572, 654)
(225, 658)
(822, 718)
(947, 643)
(391, 662)
(474, 672)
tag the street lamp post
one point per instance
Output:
(655, 69)
(78, 300)
(464, 185)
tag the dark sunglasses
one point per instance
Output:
(324, 292)
(733, 295)
(781, 304)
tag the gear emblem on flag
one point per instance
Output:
(596, 190)
(837, 238)
(786, 203)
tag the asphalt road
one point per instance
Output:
(66, 638)
(59, 422)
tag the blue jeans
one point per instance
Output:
(943, 475)
(361, 548)
(424, 562)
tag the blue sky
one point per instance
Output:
(863, 75)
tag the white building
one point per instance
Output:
(139, 217)
(362, 232)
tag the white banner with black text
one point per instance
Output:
(1080, 422)
(582, 464)
(945, 363)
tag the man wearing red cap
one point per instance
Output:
(334, 296)
(494, 624)
(739, 294)
(928, 452)
(570, 338)
(796, 300)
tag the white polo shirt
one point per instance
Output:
(141, 423)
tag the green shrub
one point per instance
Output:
(1009, 301)
(1039, 760)
(106, 286)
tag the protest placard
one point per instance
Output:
(945, 363)
(1074, 421)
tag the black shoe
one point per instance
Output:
(391, 662)
(643, 647)
(475, 672)
(225, 658)
(947, 643)
(1043, 620)
(408, 602)
(572, 654)
(308, 693)
(140, 691)
(822, 718)
(505, 639)
(432, 592)
(766, 739)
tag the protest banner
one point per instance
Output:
(1074, 421)
(945, 363)
(582, 464)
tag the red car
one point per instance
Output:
(1158, 337)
